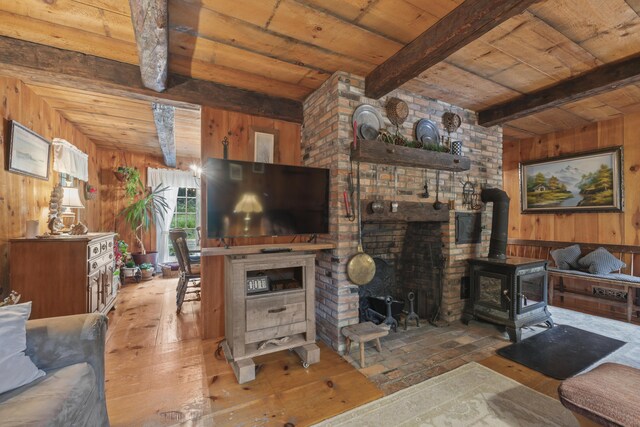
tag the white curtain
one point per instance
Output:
(67, 158)
(174, 179)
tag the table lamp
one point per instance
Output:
(70, 200)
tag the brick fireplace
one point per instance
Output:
(326, 138)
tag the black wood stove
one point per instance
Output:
(509, 291)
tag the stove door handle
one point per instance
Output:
(505, 294)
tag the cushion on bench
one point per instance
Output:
(608, 395)
(601, 261)
(612, 276)
(566, 258)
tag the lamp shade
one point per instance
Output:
(71, 198)
(248, 204)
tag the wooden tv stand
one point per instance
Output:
(280, 318)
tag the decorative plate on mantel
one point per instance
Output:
(368, 115)
(427, 132)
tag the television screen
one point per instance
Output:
(246, 199)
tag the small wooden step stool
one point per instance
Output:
(363, 333)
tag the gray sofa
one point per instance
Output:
(70, 350)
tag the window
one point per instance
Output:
(186, 216)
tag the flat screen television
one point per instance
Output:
(247, 199)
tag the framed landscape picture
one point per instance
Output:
(585, 182)
(28, 152)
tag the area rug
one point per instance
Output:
(469, 395)
(562, 351)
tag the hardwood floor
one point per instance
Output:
(159, 372)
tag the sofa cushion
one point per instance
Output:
(566, 258)
(64, 397)
(601, 261)
(16, 369)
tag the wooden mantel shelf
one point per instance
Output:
(407, 212)
(256, 249)
(379, 152)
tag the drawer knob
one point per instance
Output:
(277, 310)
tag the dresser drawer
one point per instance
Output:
(96, 263)
(100, 247)
(93, 249)
(275, 310)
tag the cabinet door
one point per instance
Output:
(93, 292)
(108, 292)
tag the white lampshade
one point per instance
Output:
(248, 204)
(71, 198)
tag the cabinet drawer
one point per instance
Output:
(100, 247)
(275, 310)
(96, 263)
(94, 250)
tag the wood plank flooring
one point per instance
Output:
(159, 372)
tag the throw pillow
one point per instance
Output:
(567, 258)
(601, 261)
(16, 369)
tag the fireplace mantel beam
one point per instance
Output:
(464, 24)
(407, 212)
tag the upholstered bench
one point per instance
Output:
(607, 395)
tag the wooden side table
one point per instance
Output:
(363, 333)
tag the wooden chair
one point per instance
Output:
(189, 268)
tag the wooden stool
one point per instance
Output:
(363, 333)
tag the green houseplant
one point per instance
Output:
(144, 209)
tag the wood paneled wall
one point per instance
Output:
(216, 124)
(112, 198)
(610, 228)
(23, 198)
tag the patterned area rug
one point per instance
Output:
(469, 395)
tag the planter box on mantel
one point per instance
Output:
(397, 155)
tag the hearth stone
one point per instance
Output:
(511, 292)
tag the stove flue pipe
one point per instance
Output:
(500, 222)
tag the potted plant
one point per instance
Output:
(147, 270)
(144, 209)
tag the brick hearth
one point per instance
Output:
(326, 138)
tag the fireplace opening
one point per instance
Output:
(409, 258)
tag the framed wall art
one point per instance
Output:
(28, 152)
(584, 182)
(265, 143)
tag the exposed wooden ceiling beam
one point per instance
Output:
(164, 118)
(43, 64)
(461, 26)
(150, 21)
(599, 80)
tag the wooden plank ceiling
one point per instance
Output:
(288, 48)
(120, 123)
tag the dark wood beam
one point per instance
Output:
(164, 118)
(461, 26)
(44, 64)
(150, 21)
(599, 80)
(407, 212)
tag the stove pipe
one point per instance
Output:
(500, 223)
